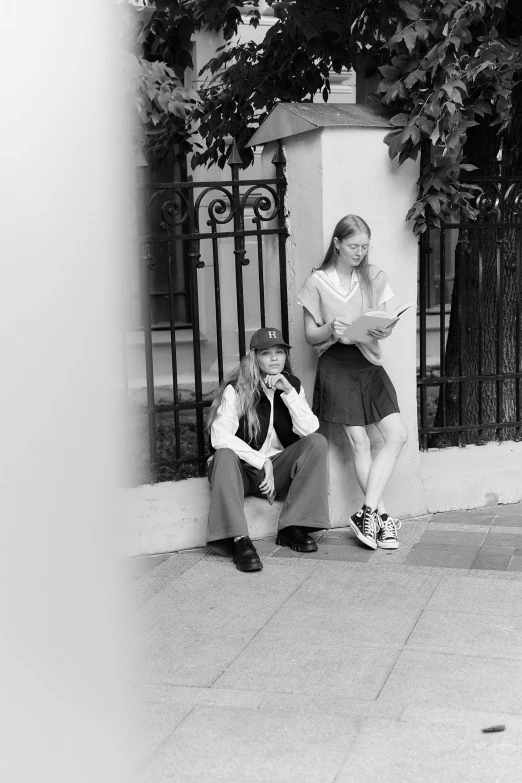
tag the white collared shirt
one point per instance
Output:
(334, 277)
(225, 425)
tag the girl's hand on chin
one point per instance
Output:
(278, 382)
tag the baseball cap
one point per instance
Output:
(265, 338)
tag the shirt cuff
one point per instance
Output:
(290, 396)
(256, 460)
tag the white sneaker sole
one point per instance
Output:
(388, 544)
(368, 541)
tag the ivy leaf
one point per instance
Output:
(411, 79)
(411, 11)
(435, 134)
(399, 120)
(410, 39)
(482, 107)
(389, 72)
(416, 210)
(425, 125)
(434, 203)
(393, 140)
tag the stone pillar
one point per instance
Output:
(334, 171)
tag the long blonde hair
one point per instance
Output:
(347, 227)
(246, 379)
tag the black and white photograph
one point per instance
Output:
(262, 391)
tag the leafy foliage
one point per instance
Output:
(163, 106)
(444, 66)
(450, 67)
(292, 63)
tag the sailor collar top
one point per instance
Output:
(326, 298)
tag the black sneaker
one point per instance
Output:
(364, 524)
(245, 555)
(387, 535)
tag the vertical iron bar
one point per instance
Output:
(423, 293)
(194, 256)
(518, 348)
(460, 259)
(257, 222)
(481, 339)
(499, 244)
(442, 318)
(235, 163)
(279, 161)
(217, 299)
(172, 261)
(149, 363)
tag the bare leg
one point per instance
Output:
(394, 435)
(362, 459)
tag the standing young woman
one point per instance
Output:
(264, 443)
(351, 386)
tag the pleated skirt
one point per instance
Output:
(351, 390)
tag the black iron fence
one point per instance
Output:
(469, 331)
(202, 266)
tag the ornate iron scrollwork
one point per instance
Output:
(262, 203)
(220, 210)
(489, 200)
(174, 210)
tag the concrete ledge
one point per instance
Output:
(472, 477)
(172, 515)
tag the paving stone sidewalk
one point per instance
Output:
(335, 666)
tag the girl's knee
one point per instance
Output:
(317, 441)
(225, 455)
(399, 436)
(359, 441)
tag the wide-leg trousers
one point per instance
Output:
(300, 471)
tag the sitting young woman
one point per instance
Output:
(264, 443)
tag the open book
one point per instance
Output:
(357, 332)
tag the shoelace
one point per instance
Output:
(370, 523)
(389, 527)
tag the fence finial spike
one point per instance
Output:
(279, 154)
(234, 159)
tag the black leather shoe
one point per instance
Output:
(297, 539)
(245, 555)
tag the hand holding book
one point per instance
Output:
(357, 331)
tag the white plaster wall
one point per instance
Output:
(472, 477)
(331, 173)
(305, 243)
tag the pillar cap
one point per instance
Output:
(290, 119)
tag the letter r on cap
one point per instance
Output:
(272, 335)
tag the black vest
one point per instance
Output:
(282, 419)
